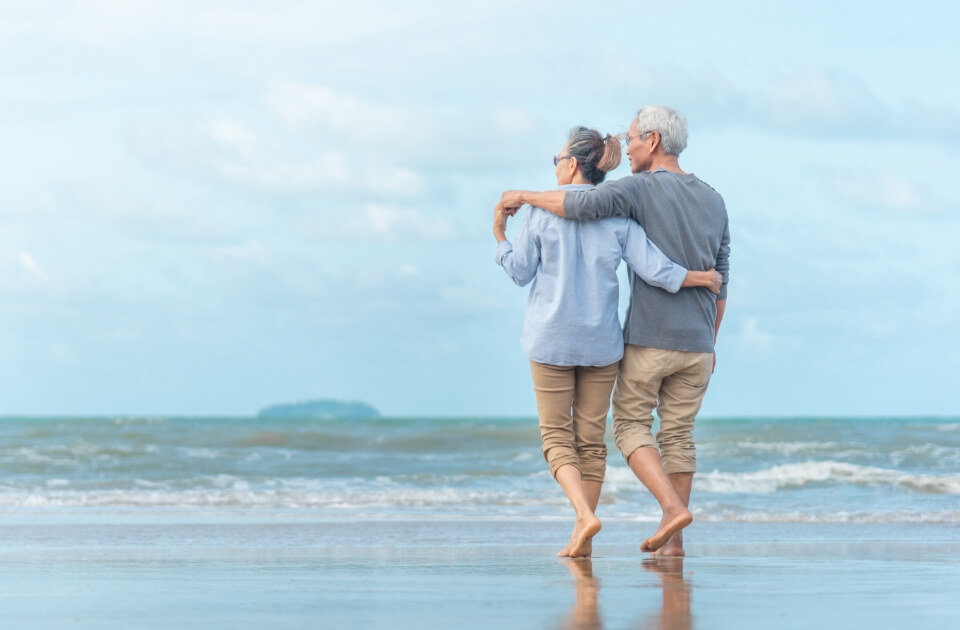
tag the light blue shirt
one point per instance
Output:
(571, 316)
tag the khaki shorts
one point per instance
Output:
(673, 383)
(572, 403)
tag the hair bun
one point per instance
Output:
(611, 154)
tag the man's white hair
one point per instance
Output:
(670, 123)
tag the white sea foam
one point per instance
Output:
(143, 483)
(442, 501)
(248, 498)
(877, 518)
(784, 476)
(36, 457)
(953, 426)
(200, 453)
(944, 456)
(788, 448)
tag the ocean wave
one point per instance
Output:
(444, 502)
(788, 448)
(200, 453)
(875, 518)
(241, 497)
(936, 454)
(801, 474)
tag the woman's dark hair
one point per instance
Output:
(596, 155)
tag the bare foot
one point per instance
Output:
(586, 548)
(673, 547)
(671, 524)
(583, 533)
(565, 552)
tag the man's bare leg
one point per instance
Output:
(645, 464)
(587, 524)
(682, 484)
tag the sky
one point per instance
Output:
(210, 207)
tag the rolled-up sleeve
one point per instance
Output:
(647, 261)
(723, 260)
(521, 259)
(610, 199)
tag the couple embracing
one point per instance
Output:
(672, 231)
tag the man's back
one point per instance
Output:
(687, 220)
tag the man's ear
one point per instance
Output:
(573, 164)
(655, 137)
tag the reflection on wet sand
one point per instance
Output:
(584, 615)
(674, 614)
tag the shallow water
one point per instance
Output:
(421, 523)
(869, 470)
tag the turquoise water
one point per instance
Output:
(869, 470)
(423, 523)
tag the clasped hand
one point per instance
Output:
(509, 203)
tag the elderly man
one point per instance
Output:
(669, 354)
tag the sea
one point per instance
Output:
(750, 470)
(220, 523)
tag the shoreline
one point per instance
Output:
(211, 571)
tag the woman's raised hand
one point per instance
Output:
(509, 202)
(499, 224)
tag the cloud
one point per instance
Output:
(753, 338)
(61, 354)
(233, 135)
(389, 222)
(809, 101)
(117, 22)
(514, 120)
(273, 160)
(816, 99)
(302, 105)
(830, 103)
(251, 251)
(20, 272)
(878, 190)
(30, 265)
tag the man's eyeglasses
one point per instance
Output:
(557, 158)
(627, 137)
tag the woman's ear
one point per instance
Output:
(573, 165)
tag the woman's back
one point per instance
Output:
(571, 316)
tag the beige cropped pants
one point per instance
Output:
(670, 381)
(572, 403)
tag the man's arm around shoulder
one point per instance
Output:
(606, 200)
(551, 201)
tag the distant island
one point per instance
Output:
(323, 409)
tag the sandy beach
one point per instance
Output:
(210, 570)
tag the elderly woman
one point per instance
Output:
(571, 332)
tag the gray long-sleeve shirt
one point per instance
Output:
(687, 220)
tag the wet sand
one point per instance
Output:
(291, 570)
